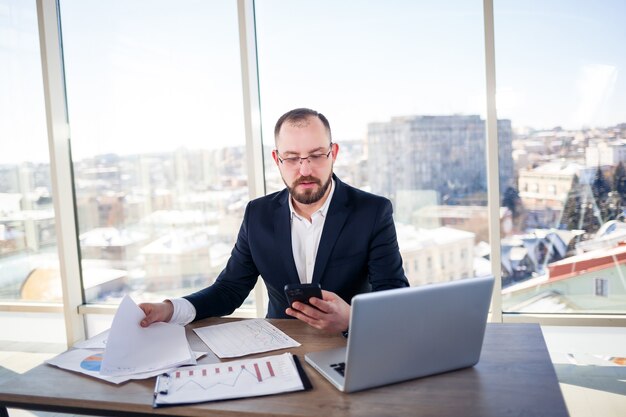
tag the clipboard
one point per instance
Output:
(268, 375)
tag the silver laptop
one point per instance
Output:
(406, 333)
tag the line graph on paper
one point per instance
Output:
(236, 379)
(244, 337)
(228, 377)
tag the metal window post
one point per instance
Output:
(252, 115)
(61, 166)
(493, 172)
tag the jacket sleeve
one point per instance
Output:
(234, 283)
(384, 261)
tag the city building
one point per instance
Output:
(183, 261)
(544, 189)
(611, 234)
(44, 284)
(445, 154)
(472, 219)
(606, 153)
(436, 255)
(593, 281)
(527, 255)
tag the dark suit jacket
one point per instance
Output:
(358, 252)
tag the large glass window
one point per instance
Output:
(155, 108)
(559, 67)
(403, 85)
(29, 264)
(154, 100)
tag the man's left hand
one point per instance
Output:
(331, 314)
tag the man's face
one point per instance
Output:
(306, 181)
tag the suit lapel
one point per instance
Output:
(335, 218)
(282, 235)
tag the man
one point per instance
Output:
(317, 230)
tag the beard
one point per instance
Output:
(309, 196)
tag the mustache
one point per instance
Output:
(307, 178)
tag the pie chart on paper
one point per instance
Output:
(92, 362)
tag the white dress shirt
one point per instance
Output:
(305, 237)
(305, 240)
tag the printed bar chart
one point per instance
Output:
(267, 366)
(243, 378)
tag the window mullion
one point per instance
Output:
(493, 182)
(61, 166)
(252, 115)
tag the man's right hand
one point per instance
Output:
(156, 312)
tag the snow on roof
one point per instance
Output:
(410, 238)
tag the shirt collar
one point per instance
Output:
(322, 210)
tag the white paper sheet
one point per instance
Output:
(89, 361)
(244, 337)
(236, 379)
(587, 359)
(132, 349)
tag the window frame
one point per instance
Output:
(601, 287)
(74, 307)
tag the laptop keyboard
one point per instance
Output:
(339, 367)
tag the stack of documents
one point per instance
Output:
(129, 351)
(235, 379)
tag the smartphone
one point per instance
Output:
(302, 292)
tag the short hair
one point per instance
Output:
(300, 115)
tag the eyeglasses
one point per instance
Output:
(315, 160)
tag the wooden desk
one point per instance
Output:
(513, 378)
